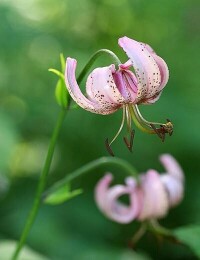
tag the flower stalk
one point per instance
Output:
(43, 177)
(127, 167)
(41, 185)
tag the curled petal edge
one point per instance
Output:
(172, 167)
(75, 92)
(174, 189)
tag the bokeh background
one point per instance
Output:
(32, 35)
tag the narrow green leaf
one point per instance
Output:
(62, 61)
(190, 236)
(62, 195)
(57, 72)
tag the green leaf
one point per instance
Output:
(190, 236)
(61, 93)
(62, 195)
(7, 248)
(57, 72)
(62, 61)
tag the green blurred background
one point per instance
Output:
(32, 35)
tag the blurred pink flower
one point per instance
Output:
(151, 198)
(109, 89)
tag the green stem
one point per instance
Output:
(156, 228)
(138, 235)
(92, 60)
(41, 184)
(45, 171)
(91, 166)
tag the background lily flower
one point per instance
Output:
(150, 198)
(109, 88)
(107, 199)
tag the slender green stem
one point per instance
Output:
(91, 166)
(45, 171)
(156, 228)
(41, 184)
(138, 235)
(94, 57)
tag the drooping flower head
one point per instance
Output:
(109, 88)
(150, 198)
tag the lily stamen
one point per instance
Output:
(128, 119)
(166, 128)
(109, 148)
(107, 143)
(159, 131)
(121, 126)
(129, 144)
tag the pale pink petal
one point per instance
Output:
(174, 188)
(127, 84)
(146, 68)
(155, 196)
(172, 166)
(118, 211)
(107, 199)
(152, 99)
(164, 71)
(101, 190)
(75, 92)
(126, 65)
(101, 88)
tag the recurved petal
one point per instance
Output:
(101, 87)
(118, 211)
(101, 191)
(107, 199)
(164, 71)
(151, 100)
(75, 92)
(172, 166)
(155, 196)
(146, 68)
(174, 188)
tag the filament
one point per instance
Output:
(138, 122)
(121, 126)
(141, 118)
(128, 119)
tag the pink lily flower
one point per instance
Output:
(109, 89)
(151, 198)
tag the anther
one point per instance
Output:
(156, 131)
(169, 127)
(109, 148)
(132, 138)
(129, 144)
(162, 132)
